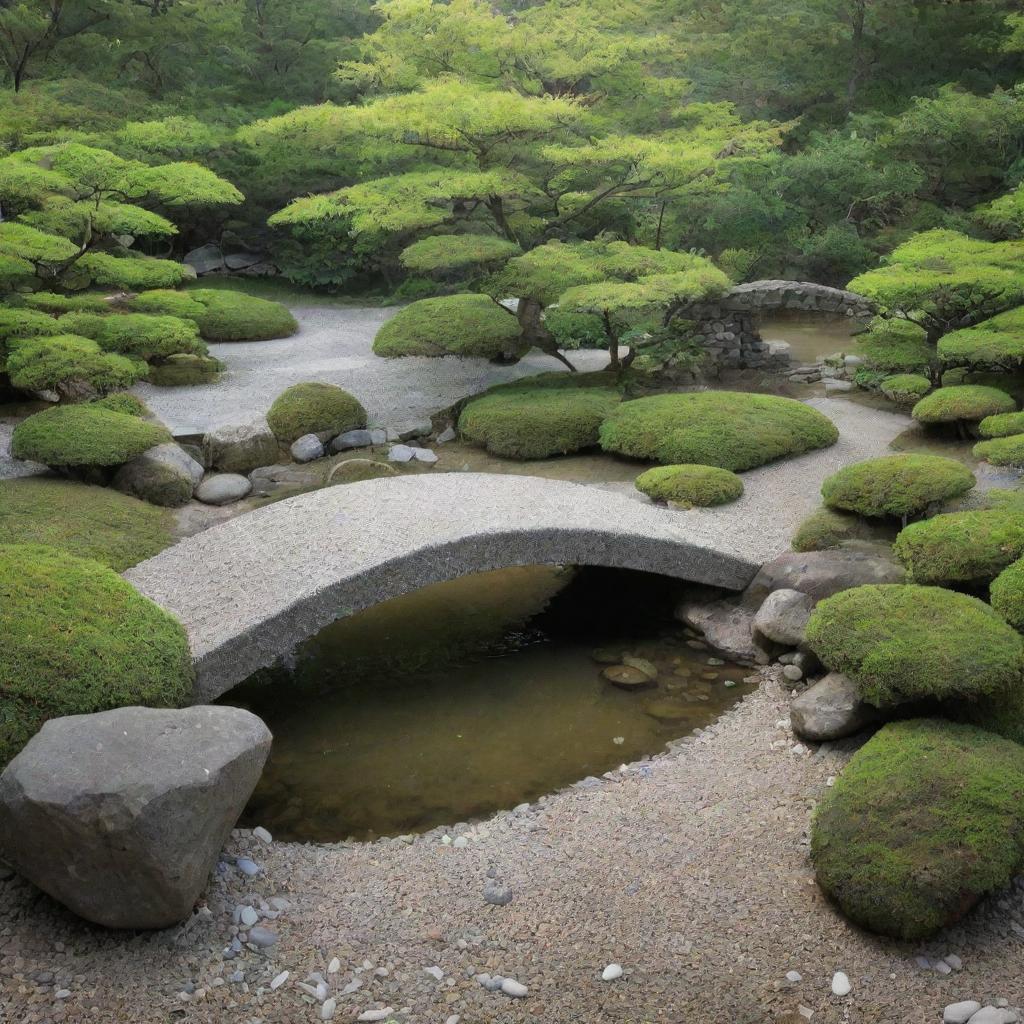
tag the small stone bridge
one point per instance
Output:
(249, 590)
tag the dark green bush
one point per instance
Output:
(1005, 424)
(690, 485)
(137, 334)
(79, 639)
(962, 403)
(1007, 594)
(905, 388)
(901, 642)
(896, 485)
(924, 821)
(732, 430)
(221, 315)
(62, 362)
(962, 548)
(1001, 451)
(314, 408)
(123, 402)
(825, 528)
(83, 435)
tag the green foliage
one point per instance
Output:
(22, 323)
(125, 403)
(962, 548)
(826, 528)
(84, 521)
(235, 316)
(1006, 594)
(166, 302)
(314, 408)
(692, 485)
(923, 822)
(137, 334)
(996, 343)
(61, 362)
(130, 273)
(51, 302)
(184, 369)
(1002, 451)
(732, 430)
(79, 639)
(465, 325)
(962, 403)
(457, 252)
(1004, 424)
(896, 485)
(896, 345)
(84, 435)
(903, 642)
(905, 388)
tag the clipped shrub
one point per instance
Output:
(66, 362)
(729, 429)
(962, 548)
(1007, 594)
(962, 403)
(25, 323)
(997, 342)
(1001, 451)
(314, 408)
(84, 435)
(185, 369)
(924, 821)
(137, 334)
(1005, 424)
(690, 485)
(826, 528)
(453, 252)
(462, 325)
(538, 422)
(51, 302)
(79, 639)
(167, 302)
(896, 485)
(221, 315)
(901, 642)
(905, 388)
(895, 346)
(86, 521)
(123, 402)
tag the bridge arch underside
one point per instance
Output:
(250, 590)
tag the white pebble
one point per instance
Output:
(461, 842)
(611, 972)
(434, 972)
(334, 966)
(327, 1010)
(248, 916)
(373, 1015)
(840, 984)
(62, 993)
(262, 834)
(794, 976)
(453, 1019)
(279, 980)
(830, 781)
(513, 988)
(960, 1013)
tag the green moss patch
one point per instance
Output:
(314, 408)
(137, 334)
(1007, 594)
(962, 403)
(79, 639)
(905, 388)
(221, 315)
(728, 429)
(66, 360)
(924, 820)
(124, 403)
(826, 528)
(1006, 424)
(1001, 451)
(353, 471)
(692, 485)
(183, 370)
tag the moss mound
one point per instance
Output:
(124, 403)
(84, 435)
(826, 528)
(536, 423)
(167, 302)
(998, 342)
(901, 642)
(137, 334)
(1007, 594)
(729, 429)
(184, 369)
(90, 522)
(221, 315)
(314, 408)
(690, 485)
(65, 361)
(925, 819)
(1001, 451)
(962, 403)
(463, 325)
(905, 388)
(51, 302)
(962, 548)
(896, 485)
(79, 639)
(895, 346)
(1005, 424)
(22, 323)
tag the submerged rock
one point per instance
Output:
(626, 677)
(727, 626)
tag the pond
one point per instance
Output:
(811, 336)
(475, 695)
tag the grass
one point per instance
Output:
(691, 485)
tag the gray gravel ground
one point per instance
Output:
(690, 871)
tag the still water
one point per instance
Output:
(811, 336)
(475, 695)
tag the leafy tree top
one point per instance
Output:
(456, 252)
(997, 342)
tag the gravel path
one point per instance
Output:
(690, 871)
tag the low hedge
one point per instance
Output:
(221, 315)
(1007, 594)
(962, 403)
(84, 435)
(729, 429)
(61, 362)
(902, 642)
(962, 548)
(1001, 451)
(79, 639)
(924, 821)
(826, 528)
(1005, 424)
(690, 485)
(314, 408)
(137, 334)
(896, 485)
(905, 388)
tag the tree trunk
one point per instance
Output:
(857, 61)
(535, 333)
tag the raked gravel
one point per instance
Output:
(690, 871)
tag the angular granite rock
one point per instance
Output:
(783, 617)
(831, 709)
(241, 448)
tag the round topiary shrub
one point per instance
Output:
(924, 821)
(901, 642)
(961, 548)
(729, 429)
(1001, 451)
(536, 423)
(84, 435)
(690, 485)
(462, 325)
(905, 388)
(69, 365)
(896, 485)
(137, 334)
(963, 403)
(1007, 594)
(825, 528)
(78, 639)
(314, 408)
(1006, 424)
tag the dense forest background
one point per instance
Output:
(799, 138)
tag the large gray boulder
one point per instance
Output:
(241, 448)
(831, 709)
(207, 259)
(121, 815)
(165, 475)
(783, 617)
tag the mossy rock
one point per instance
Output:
(354, 471)
(89, 522)
(729, 429)
(905, 388)
(79, 639)
(1006, 424)
(184, 370)
(462, 325)
(65, 362)
(123, 402)
(903, 642)
(137, 334)
(1001, 451)
(536, 423)
(1007, 594)
(962, 548)
(220, 314)
(314, 408)
(924, 821)
(826, 528)
(896, 485)
(964, 403)
(84, 435)
(692, 485)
